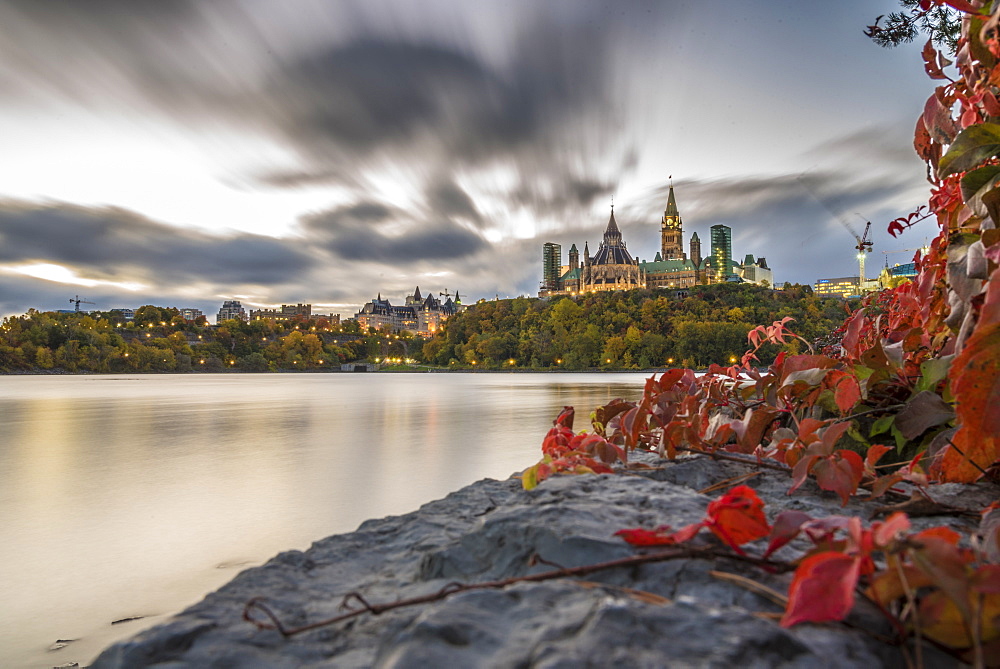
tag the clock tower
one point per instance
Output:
(671, 233)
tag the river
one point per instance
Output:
(131, 497)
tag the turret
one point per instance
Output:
(695, 250)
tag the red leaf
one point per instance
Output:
(931, 66)
(786, 527)
(894, 525)
(883, 483)
(822, 589)
(874, 454)
(976, 387)
(565, 418)
(925, 149)
(847, 394)
(833, 433)
(963, 6)
(637, 536)
(801, 472)
(840, 473)
(738, 517)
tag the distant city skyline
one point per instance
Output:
(182, 153)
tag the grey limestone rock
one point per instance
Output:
(489, 531)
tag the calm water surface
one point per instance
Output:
(128, 496)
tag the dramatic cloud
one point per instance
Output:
(373, 232)
(325, 151)
(116, 245)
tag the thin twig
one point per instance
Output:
(257, 604)
(716, 455)
(869, 411)
(728, 483)
(753, 586)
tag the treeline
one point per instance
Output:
(636, 329)
(160, 340)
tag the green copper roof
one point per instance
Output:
(671, 204)
(571, 275)
(657, 267)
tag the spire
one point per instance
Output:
(612, 236)
(416, 294)
(671, 203)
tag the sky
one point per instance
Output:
(181, 153)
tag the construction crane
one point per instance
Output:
(78, 301)
(864, 246)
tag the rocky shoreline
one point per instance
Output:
(676, 613)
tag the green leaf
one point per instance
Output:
(933, 371)
(882, 425)
(972, 146)
(977, 184)
(854, 433)
(901, 440)
(827, 401)
(529, 478)
(811, 377)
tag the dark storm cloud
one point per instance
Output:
(561, 196)
(450, 199)
(147, 53)
(356, 98)
(350, 236)
(113, 244)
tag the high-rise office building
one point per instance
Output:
(722, 253)
(551, 266)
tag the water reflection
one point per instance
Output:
(119, 496)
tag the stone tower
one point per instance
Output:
(696, 250)
(671, 233)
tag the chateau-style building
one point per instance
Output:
(614, 268)
(422, 316)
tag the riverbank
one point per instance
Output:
(677, 612)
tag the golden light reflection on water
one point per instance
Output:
(120, 496)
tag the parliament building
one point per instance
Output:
(614, 268)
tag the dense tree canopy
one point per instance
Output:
(637, 329)
(159, 340)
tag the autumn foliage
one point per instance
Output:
(909, 393)
(922, 580)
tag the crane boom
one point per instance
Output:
(77, 300)
(864, 244)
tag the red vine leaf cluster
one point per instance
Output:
(924, 582)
